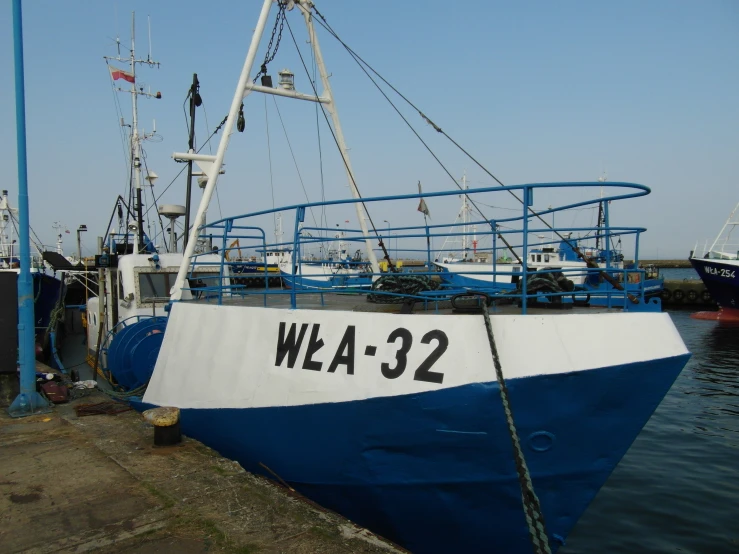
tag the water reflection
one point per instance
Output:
(676, 488)
(714, 375)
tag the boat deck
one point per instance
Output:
(358, 302)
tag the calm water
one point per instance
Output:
(679, 273)
(677, 488)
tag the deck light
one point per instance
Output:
(287, 79)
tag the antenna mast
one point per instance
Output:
(136, 137)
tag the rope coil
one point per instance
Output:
(396, 288)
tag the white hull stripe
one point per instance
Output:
(239, 357)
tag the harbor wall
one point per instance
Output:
(664, 264)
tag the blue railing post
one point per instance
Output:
(642, 277)
(607, 240)
(606, 220)
(28, 400)
(528, 201)
(227, 226)
(266, 272)
(494, 227)
(428, 248)
(299, 217)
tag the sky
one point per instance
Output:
(536, 91)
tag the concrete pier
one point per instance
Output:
(98, 484)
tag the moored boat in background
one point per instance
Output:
(49, 289)
(718, 267)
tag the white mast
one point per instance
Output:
(730, 223)
(278, 230)
(57, 226)
(331, 107)
(8, 220)
(211, 165)
(464, 216)
(136, 137)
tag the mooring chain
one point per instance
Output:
(532, 508)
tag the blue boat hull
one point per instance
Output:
(721, 280)
(47, 293)
(335, 282)
(434, 471)
(466, 281)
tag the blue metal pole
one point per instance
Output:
(227, 225)
(641, 275)
(493, 226)
(528, 200)
(299, 217)
(607, 222)
(28, 400)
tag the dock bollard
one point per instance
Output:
(166, 422)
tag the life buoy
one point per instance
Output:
(678, 295)
(666, 294)
(706, 296)
(692, 295)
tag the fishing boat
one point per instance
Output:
(718, 267)
(136, 270)
(337, 270)
(424, 415)
(265, 261)
(48, 293)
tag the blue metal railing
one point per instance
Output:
(416, 244)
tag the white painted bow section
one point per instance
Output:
(239, 369)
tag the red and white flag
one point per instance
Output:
(116, 74)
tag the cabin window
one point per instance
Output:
(155, 286)
(546, 257)
(538, 257)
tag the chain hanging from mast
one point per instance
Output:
(268, 57)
